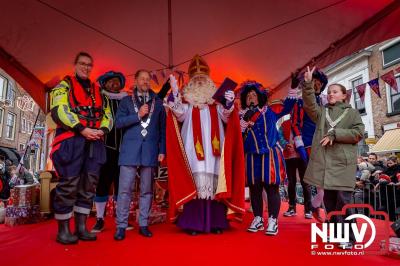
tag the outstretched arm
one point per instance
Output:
(310, 103)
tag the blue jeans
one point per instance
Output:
(125, 188)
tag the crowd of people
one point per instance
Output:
(12, 175)
(378, 184)
(213, 145)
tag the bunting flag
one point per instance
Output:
(163, 73)
(154, 77)
(374, 85)
(361, 91)
(390, 79)
(349, 92)
(180, 77)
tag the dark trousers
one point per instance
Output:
(274, 199)
(334, 200)
(109, 174)
(77, 162)
(292, 166)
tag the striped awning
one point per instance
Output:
(389, 142)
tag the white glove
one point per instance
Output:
(174, 84)
(243, 125)
(229, 96)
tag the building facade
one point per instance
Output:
(18, 114)
(385, 57)
(379, 114)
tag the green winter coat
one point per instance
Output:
(332, 167)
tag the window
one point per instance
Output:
(23, 125)
(10, 126)
(1, 120)
(395, 97)
(10, 93)
(3, 83)
(21, 147)
(362, 146)
(29, 127)
(360, 106)
(391, 55)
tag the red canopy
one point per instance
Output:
(263, 40)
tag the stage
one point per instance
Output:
(35, 245)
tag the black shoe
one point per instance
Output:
(80, 228)
(99, 226)
(216, 231)
(64, 235)
(119, 234)
(144, 231)
(191, 232)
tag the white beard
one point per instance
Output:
(197, 94)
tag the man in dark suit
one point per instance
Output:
(142, 118)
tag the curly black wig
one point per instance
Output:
(248, 86)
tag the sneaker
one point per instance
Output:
(129, 227)
(290, 212)
(272, 229)
(256, 225)
(308, 215)
(99, 226)
(346, 245)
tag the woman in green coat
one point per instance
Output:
(333, 160)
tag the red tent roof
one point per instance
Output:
(263, 40)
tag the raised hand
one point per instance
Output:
(295, 79)
(174, 84)
(308, 74)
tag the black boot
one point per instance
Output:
(64, 235)
(80, 228)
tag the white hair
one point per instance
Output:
(199, 91)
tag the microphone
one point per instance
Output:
(249, 112)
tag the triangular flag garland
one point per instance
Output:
(374, 85)
(154, 77)
(361, 91)
(390, 79)
(180, 78)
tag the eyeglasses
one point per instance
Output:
(90, 65)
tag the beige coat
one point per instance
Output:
(332, 167)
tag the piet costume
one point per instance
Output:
(205, 164)
(301, 135)
(265, 165)
(109, 173)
